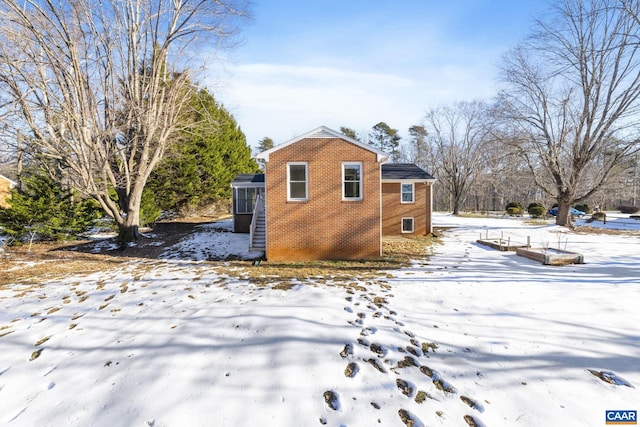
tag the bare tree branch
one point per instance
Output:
(457, 135)
(572, 92)
(97, 86)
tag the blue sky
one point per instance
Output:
(354, 63)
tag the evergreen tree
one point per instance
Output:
(417, 150)
(198, 169)
(265, 144)
(418, 134)
(46, 211)
(349, 132)
(386, 139)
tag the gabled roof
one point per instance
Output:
(11, 183)
(404, 171)
(248, 180)
(324, 132)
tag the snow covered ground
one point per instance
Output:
(484, 337)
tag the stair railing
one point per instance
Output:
(254, 220)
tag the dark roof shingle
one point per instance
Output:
(397, 171)
(248, 178)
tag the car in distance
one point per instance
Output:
(573, 212)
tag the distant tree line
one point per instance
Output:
(564, 128)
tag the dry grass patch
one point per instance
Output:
(284, 286)
(397, 253)
(35, 354)
(318, 271)
(42, 341)
(49, 261)
(53, 310)
(536, 222)
(587, 229)
(46, 261)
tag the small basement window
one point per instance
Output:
(407, 225)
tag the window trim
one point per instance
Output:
(413, 227)
(244, 189)
(306, 182)
(413, 193)
(360, 182)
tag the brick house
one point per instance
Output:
(326, 196)
(406, 200)
(5, 190)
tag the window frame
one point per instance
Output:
(306, 182)
(413, 193)
(346, 165)
(256, 191)
(413, 226)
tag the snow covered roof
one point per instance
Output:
(324, 132)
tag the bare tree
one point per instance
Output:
(97, 87)
(457, 134)
(571, 98)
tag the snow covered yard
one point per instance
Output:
(470, 336)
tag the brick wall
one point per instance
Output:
(5, 193)
(393, 210)
(324, 226)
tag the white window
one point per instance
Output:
(352, 181)
(297, 181)
(245, 200)
(407, 193)
(407, 225)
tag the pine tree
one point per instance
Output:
(386, 139)
(46, 211)
(349, 132)
(417, 149)
(265, 144)
(198, 169)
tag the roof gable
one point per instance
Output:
(404, 171)
(324, 132)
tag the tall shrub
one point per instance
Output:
(536, 209)
(46, 211)
(514, 208)
(199, 167)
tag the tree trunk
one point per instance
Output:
(127, 234)
(128, 229)
(456, 205)
(123, 200)
(564, 211)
